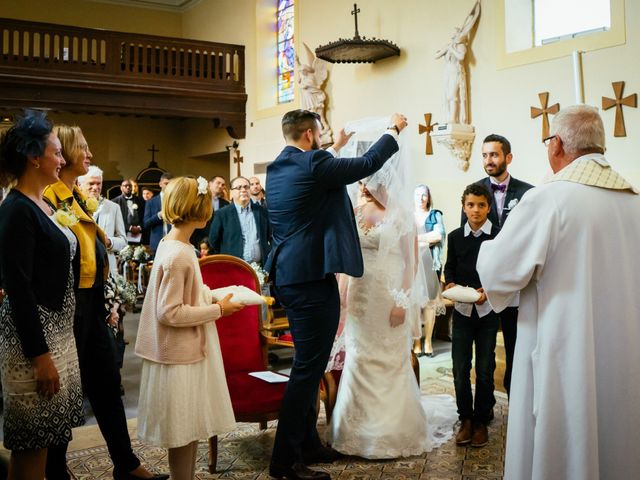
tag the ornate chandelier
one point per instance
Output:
(357, 49)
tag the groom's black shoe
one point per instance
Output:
(297, 471)
(321, 455)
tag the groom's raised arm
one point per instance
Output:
(335, 172)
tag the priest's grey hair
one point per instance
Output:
(581, 129)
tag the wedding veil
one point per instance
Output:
(392, 187)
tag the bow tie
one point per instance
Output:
(495, 187)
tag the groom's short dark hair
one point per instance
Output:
(296, 122)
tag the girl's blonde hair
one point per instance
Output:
(181, 202)
(70, 139)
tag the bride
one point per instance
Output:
(379, 411)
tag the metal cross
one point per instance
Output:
(238, 159)
(355, 13)
(544, 111)
(427, 128)
(630, 101)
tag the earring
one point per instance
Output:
(37, 165)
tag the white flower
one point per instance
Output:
(512, 204)
(203, 186)
(260, 273)
(134, 206)
(126, 253)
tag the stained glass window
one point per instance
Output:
(286, 60)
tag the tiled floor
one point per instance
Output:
(244, 454)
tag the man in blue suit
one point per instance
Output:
(153, 221)
(314, 237)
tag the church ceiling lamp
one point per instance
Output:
(357, 49)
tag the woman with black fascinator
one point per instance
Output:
(38, 359)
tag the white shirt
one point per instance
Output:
(467, 308)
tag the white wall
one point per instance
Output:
(412, 83)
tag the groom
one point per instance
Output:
(314, 237)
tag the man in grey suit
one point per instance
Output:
(507, 192)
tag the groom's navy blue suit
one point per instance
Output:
(314, 237)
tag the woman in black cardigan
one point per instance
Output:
(38, 359)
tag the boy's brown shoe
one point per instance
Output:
(480, 435)
(464, 434)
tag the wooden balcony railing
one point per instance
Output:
(83, 69)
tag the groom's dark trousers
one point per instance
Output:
(313, 310)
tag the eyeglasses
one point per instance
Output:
(240, 187)
(548, 139)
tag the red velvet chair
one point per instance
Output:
(243, 349)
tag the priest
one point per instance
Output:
(571, 248)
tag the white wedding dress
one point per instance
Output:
(379, 411)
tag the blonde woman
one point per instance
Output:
(183, 390)
(94, 340)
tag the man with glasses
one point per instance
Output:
(571, 247)
(507, 192)
(241, 229)
(315, 237)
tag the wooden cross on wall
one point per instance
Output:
(153, 151)
(427, 128)
(630, 101)
(238, 160)
(544, 111)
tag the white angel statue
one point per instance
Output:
(455, 75)
(311, 78)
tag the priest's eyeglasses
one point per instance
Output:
(547, 140)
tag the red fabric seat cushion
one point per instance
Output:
(250, 395)
(286, 337)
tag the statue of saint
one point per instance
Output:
(311, 77)
(455, 75)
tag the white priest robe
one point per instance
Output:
(574, 252)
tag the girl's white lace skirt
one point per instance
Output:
(180, 404)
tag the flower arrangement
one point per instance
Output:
(117, 293)
(126, 253)
(118, 290)
(64, 216)
(140, 254)
(261, 274)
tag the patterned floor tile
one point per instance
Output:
(244, 455)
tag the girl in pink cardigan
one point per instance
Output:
(183, 391)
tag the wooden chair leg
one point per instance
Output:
(213, 454)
